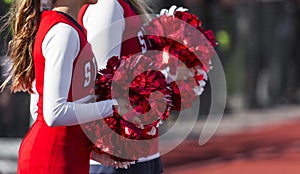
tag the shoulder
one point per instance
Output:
(61, 36)
(54, 25)
(102, 14)
(52, 17)
(64, 29)
(106, 6)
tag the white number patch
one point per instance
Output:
(142, 41)
(87, 74)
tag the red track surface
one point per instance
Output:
(266, 150)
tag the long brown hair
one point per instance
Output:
(142, 8)
(24, 18)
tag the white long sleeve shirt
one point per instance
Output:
(105, 25)
(60, 47)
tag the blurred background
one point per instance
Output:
(258, 45)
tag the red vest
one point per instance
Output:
(82, 65)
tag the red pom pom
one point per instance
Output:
(180, 40)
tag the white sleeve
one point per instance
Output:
(34, 98)
(60, 48)
(105, 25)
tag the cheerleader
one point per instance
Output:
(48, 53)
(107, 43)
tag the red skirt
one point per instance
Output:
(54, 150)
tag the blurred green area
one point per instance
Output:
(7, 1)
(223, 39)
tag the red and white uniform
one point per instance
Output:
(56, 143)
(111, 32)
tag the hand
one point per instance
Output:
(172, 10)
(127, 112)
(123, 106)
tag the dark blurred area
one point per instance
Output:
(14, 108)
(258, 46)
